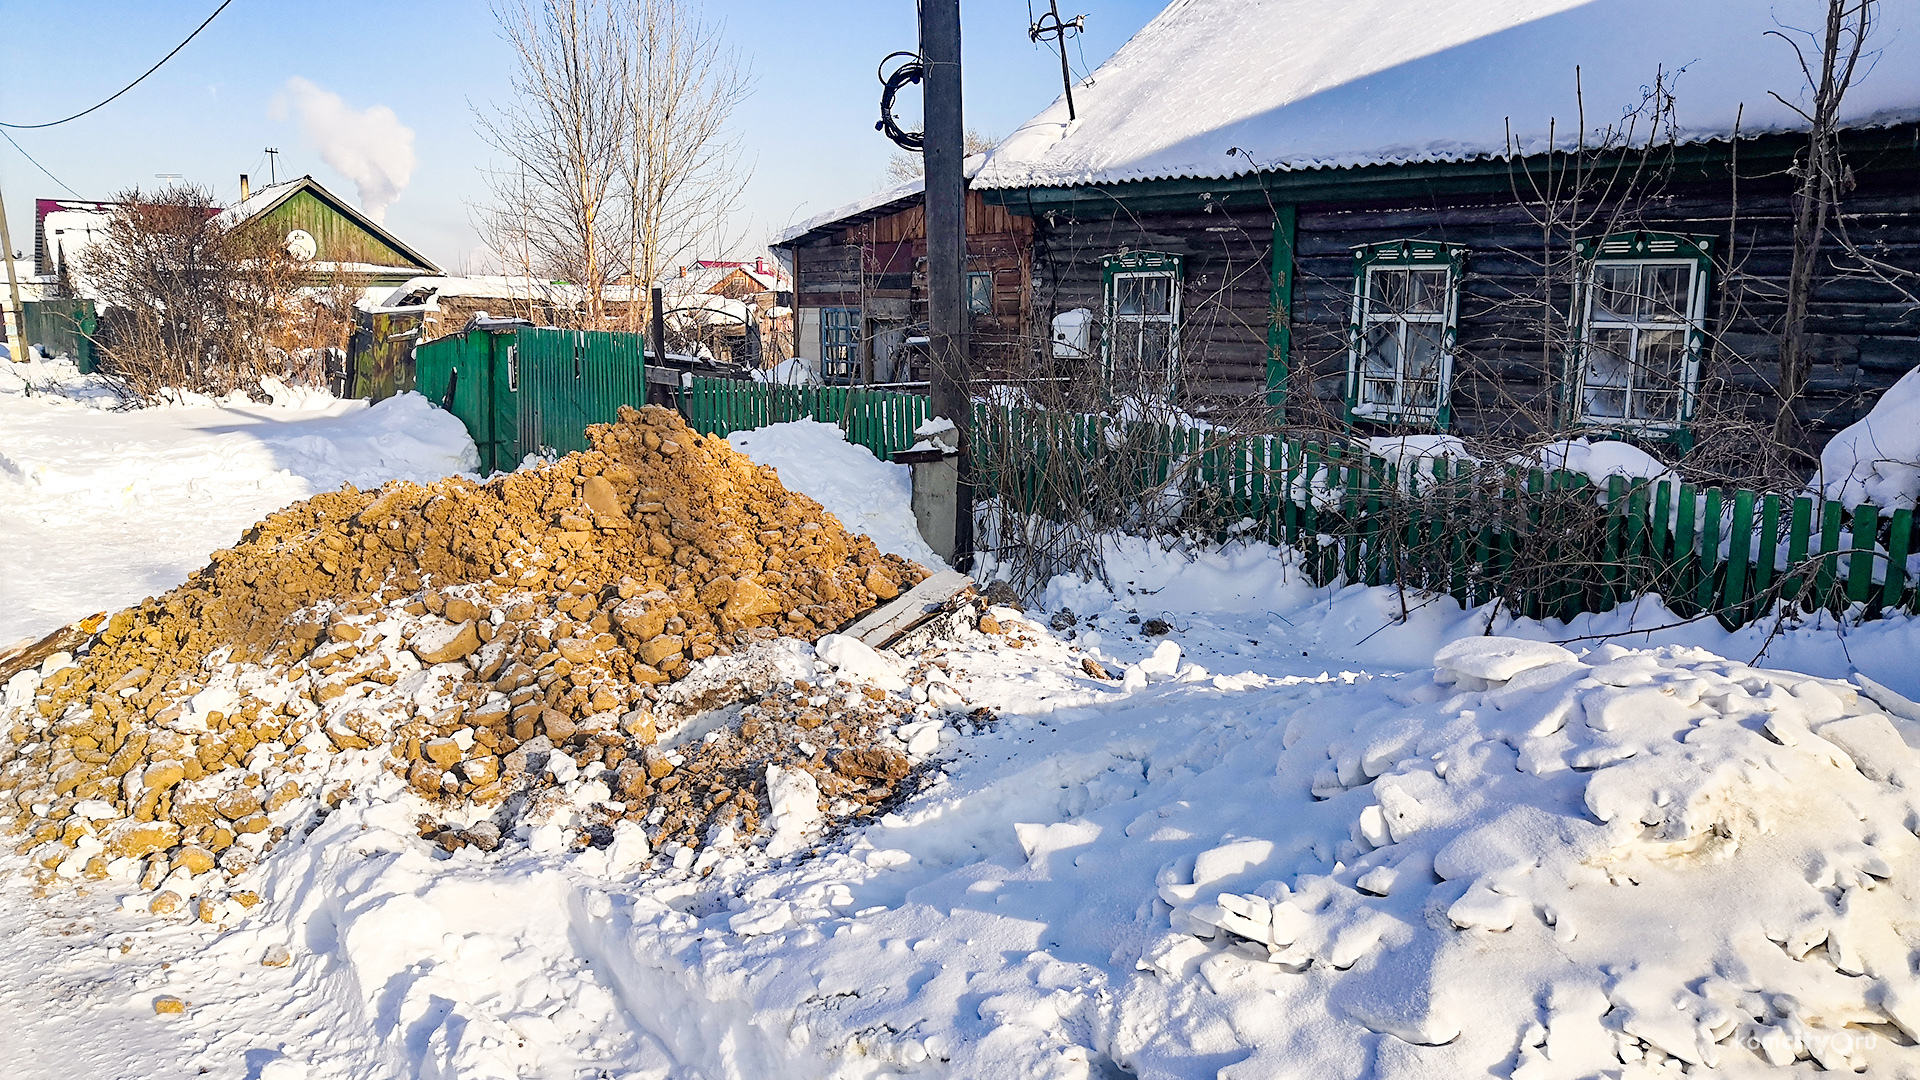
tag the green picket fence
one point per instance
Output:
(881, 421)
(1549, 543)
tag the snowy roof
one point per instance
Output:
(261, 200)
(906, 193)
(1220, 88)
(429, 290)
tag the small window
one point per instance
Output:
(513, 368)
(980, 293)
(1406, 297)
(839, 344)
(1142, 340)
(1638, 331)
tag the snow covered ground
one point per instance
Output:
(100, 507)
(867, 495)
(1306, 833)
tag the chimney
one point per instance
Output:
(759, 265)
(244, 189)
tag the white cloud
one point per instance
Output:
(372, 147)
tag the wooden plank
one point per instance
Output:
(1706, 591)
(1638, 558)
(1768, 551)
(1798, 537)
(1831, 518)
(1613, 572)
(1739, 547)
(884, 625)
(1866, 527)
(1899, 536)
(1685, 558)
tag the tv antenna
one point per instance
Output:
(1057, 30)
(273, 159)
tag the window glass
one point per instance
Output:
(1635, 363)
(1616, 290)
(980, 293)
(1142, 332)
(1664, 292)
(1142, 294)
(1405, 317)
(839, 343)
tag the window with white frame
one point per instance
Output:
(1406, 298)
(1142, 340)
(979, 293)
(1638, 325)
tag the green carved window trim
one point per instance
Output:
(1373, 327)
(1130, 273)
(1629, 395)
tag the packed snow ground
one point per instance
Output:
(1310, 832)
(101, 507)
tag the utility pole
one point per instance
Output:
(946, 194)
(1057, 30)
(16, 349)
(273, 164)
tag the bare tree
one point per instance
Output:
(195, 301)
(1823, 178)
(680, 85)
(555, 204)
(902, 166)
(617, 155)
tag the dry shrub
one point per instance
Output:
(190, 303)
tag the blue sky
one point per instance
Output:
(807, 128)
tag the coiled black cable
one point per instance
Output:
(907, 74)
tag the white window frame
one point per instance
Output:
(1142, 265)
(1399, 256)
(1692, 254)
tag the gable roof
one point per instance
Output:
(890, 200)
(264, 200)
(1221, 88)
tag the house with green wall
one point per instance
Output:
(1520, 219)
(337, 241)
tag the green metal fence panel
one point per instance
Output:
(468, 375)
(62, 327)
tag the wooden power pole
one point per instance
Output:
(946, 191)
(16, 331)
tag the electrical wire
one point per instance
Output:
(124, 89)
(907, 74)
(42, 168)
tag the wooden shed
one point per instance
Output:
(860, 287)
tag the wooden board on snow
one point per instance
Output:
(886, 624)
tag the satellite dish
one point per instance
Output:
(301, 245)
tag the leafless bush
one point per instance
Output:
(191, 303)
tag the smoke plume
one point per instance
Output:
(372, 148)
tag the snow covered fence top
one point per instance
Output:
(1221, 88)
(1877, 459)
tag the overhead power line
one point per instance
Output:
(124, 89)
(42, 168)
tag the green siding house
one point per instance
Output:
(1514, 220)
(336, 240)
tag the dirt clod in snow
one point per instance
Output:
(468, 635)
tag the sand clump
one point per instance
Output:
(461, 634)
